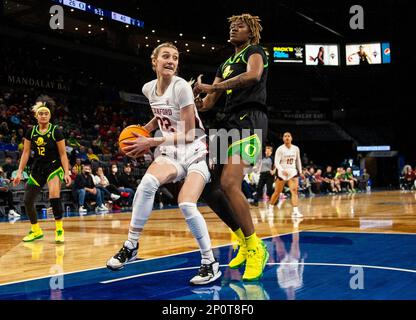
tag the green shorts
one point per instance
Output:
(248, 148)
(256, 123)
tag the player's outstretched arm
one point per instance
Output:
(23, 162)
(210, 99)
(251, 76)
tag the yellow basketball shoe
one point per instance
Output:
(240, 258)
(59, 236)
(32, 235)
(238, 241)
(256, 262)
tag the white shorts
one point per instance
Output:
(292, 173)
(186, 159)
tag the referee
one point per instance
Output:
(266, 175)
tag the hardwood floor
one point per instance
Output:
(91, 240)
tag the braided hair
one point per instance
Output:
(253, 23)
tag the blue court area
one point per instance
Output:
(302, 266)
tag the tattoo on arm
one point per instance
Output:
(238, 82)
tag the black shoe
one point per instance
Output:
(122, 257)
(207, 273)
(256, 203)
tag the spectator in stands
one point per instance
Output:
(312, 182)
(114, 176)
(318, 179)
(13, 138)
(409, 177)
(78, 165)
(363, 180)
(115, 179)
(9, 166)
(352, 181)
(101, 182)
(97, 145)
(6, 194)
(106, 148)
(328, 183)
(20, 135)
(74, 173)
(338, 178)
(82, 154)
(308, 180)
(4, 131)
(128, 182)
(304, 182)
(85, 189)
(72, 140)
(91, 156)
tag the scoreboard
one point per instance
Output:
(112, 15)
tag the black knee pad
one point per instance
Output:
(57, 208)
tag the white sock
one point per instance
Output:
(207, 257)
(197, 225)
(295, 209)
(134, 237)
(143, 201)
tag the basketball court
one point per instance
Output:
(353, 246)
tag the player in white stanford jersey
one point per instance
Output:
(179, 155)
(167, 112)
(289, 166)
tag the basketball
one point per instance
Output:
(127, 135)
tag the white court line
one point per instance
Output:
(151, 273)
(136, 261)
(269, 264)
(185, 252)
(365, 232)
(175, 254)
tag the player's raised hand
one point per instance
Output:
(195, 88)
(200, 87)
